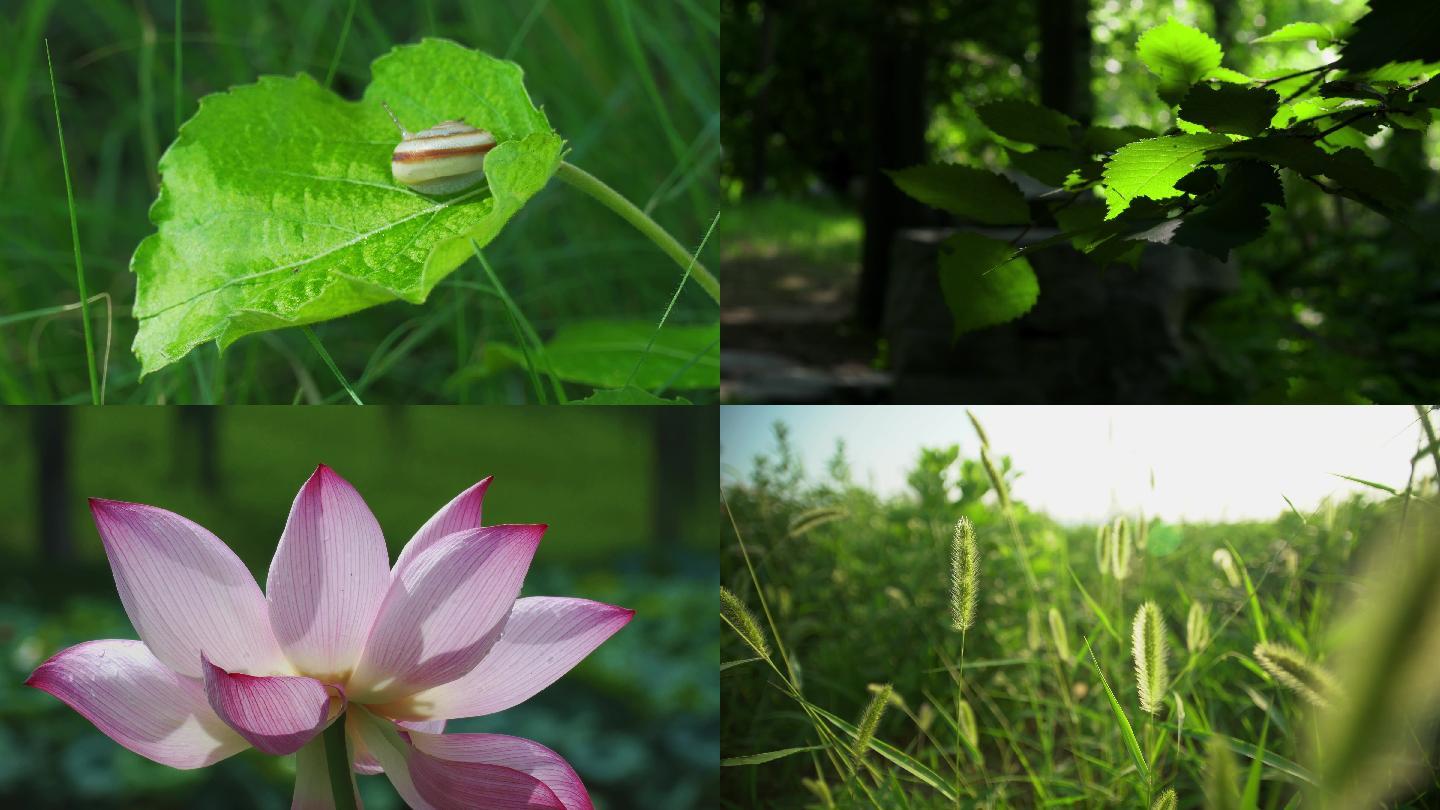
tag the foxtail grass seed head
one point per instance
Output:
(1103, 554)
(1142, 532)
(979, 431)
(1120, 546)
(1059, 634)
(743, 622)
(965, 718)
(964, 576)
(1034, 636)
(1165, 801)
(995, 480)
(1197, 628)
(1222, 776)
(1152, 669)
(1292, 669)
(1226, 563)
(869, 721)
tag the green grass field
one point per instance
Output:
(630, 86)
(1297, 667)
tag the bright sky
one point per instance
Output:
(1083, 463)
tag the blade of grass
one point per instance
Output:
(340, 44)
(1255, 610)
(907, 763)
(179, 72)
(1251, 798)
(768, 756)
(519, 320)
(95, 397)
(529, 22)
(1373, 485)
(330, 363)
(670, 306)
(1095, 606)
(1120, 719)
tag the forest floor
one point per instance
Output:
(790, 271)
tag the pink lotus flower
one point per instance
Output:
(339, 633)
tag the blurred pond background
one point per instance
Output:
(632, 86)
(625, 491)
(822, 253)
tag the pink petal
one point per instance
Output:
(360, 756)
(277, 715)
(461, 514)
(444, 611)
(518, 753)
(328, 577)
(544, 638)
(429, 783)
(138, 702)
(450, 785)
(185, 591)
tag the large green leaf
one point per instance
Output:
(277, 207)
(1179, 55)
(984, 284)
(1353, 173)
(1151, 168)
(1026, 122)
(617, 354)
(972, 193)
(1230, 108)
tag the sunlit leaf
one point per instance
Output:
(1300, 32)
(1179, 55)
(983, 283)
(1151, 168)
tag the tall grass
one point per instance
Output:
(1005, 714)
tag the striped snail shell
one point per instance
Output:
(443, 159)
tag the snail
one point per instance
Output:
(443, 159)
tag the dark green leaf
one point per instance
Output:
(1350, 169)
(1393, 31)
(1429, 92)
(1049, 166)
(1026, 122)
(1230, 108)
(1235, 214)
(1344, 88)
(984, 284)
(627, 396)
(971, 193)
(1179, 55)
(1201, 181)
(1107, 139)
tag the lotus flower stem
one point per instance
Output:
(337, 764)
(610, 198)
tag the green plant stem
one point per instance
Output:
(337, 764)
(610, 198)
(330, 363)
(75, 240)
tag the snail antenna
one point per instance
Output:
(404, 133)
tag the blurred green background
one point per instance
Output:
(632, 86)
(625, 491)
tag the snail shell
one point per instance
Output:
(443, 159)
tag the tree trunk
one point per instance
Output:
(1065, 44)
(899, 116)
(51, 435)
